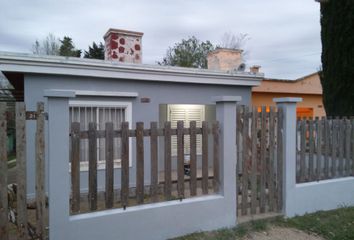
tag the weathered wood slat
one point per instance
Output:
(334, 147)
(280, 159)
(4, 230)
(271, 172)
(154, 162)
(75, 167)
(263, 160)
(326, 147)
(311, 151)
(40, 173)
(239, 114)
(319, 124)
(303, 151)
(109, 165)
(254, 161)
(348, 130)
(352, 143)
(168, 182)
(125, 165)
(193, 158)
(139, 162)
(180, 160)
(216, 157)
(205, 157)
(245, 153)
(341, 138)
(92, 143)
(21, 171)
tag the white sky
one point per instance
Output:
(285, 34)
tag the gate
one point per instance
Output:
(259, 160)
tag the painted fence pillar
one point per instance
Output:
(288, 106)
(226, 115)
(58, 159)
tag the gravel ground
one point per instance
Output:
(280, 233)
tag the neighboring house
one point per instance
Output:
(308, 88)
(122, 89)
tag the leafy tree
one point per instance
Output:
(67, 48)
(337, 77)
(189, 52)
(96, 51)
(48, 46)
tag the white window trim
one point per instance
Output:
(84, 166)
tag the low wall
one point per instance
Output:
(324, 195)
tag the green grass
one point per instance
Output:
(332, 225)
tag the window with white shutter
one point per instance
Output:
(186, 113)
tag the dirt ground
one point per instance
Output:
(280, 233)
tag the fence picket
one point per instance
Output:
(352, 123)
(205, 157)
(280, 159)
(40, 170)
(347, 147)
(180, 160)
(125, 165)
(271, 159)
(303, 151)
(334, 148)
(193, 158)
(319, 124)
(154, 162)
(75, 167)
(341, 138)
(245, 152)
(327, 133)
(4, 231)
(140, 162)
(109, 165)
(168, 182)
(216, 159)
(311, 150)
(254, 161)
(92, 142)
(21, 171)
(262, 197)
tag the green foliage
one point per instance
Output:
(96, 51)
(189, 52)
(337, 77)
(67, 48)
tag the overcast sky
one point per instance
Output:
(284, 34)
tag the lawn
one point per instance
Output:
(332, 225)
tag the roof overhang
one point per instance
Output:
(54, 65)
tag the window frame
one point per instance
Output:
(127, 105)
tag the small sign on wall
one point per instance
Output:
(145, 100)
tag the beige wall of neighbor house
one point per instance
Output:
(308, 87)
(225, 59)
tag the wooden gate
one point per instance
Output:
(259, 160)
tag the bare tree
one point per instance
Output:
(235, 41)
(49, 46)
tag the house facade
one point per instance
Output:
(121, 89)
(308, 88)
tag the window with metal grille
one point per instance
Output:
(100, 113)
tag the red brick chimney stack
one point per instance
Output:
(123, 46)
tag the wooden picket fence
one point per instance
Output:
(325, 149)
(259, 165)
(15, 217)
(140, 133)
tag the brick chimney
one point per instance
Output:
(123, 46)
(255, 69)
(225, 59)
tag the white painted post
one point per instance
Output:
(288, 105)
(58, 162)
(226, 115)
